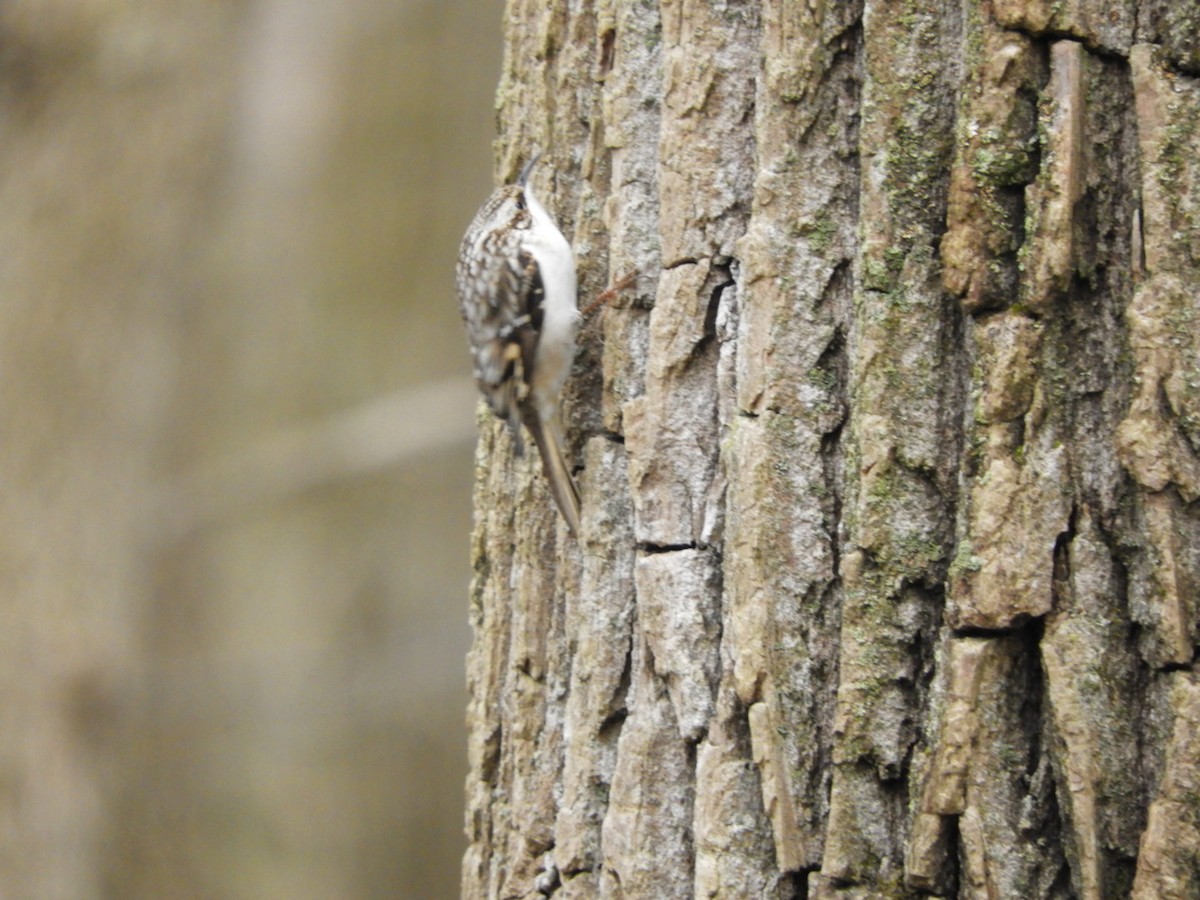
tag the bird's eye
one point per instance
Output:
(521, 200)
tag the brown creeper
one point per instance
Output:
(516, 292)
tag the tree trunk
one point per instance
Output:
(887, 581)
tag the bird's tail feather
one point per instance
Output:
(558, 473)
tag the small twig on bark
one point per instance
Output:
(608, 295)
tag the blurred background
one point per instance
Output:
(236, 443)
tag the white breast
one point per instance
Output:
(560, 318)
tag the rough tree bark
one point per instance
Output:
(888, 576)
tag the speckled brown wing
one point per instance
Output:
(500, 298)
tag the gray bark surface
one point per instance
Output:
(887, 581)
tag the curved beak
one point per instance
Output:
(524, 176)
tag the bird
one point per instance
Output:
(517, 294)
